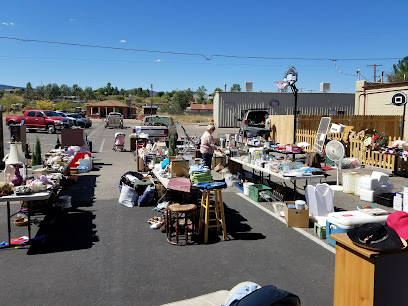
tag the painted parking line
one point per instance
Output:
(299, 230)
(94, 131)
(103, 142)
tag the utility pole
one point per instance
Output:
(151, 101)
(225, 87)
(375, 70)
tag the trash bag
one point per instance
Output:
(128, 196)
(130, 177)
(146, 198)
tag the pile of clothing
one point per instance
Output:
(200, 174)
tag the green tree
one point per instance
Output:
(29, 92)
(9, 101)
(200, 94)
(89, 93)
(40, 92)
(235, 87)
(36, 159)
(159, 94)
(44, 104)
(2, 92)
(400, 72)
(65, 90)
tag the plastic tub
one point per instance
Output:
(349, 182)
(246, 188)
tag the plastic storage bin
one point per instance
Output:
(357, 184)
(343, 221)
(255, 189)
(367, 195)
(385, 199)
(333, 228)
(367, 182)
(348, 182)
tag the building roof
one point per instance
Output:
(195, 106)
(376, 85)
(148, 106)
(108, 103)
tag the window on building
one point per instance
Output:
(94, 110)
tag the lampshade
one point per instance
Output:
(21, 156)
(13, 158)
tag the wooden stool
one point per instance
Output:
(217, 208)
(176, 210)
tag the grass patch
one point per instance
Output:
(189, 118)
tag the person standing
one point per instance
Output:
(207, 146)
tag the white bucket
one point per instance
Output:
(246, 188)
(66, 200)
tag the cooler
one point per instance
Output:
(343, 221)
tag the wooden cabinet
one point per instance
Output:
(364, 277)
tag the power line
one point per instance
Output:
(375, 70)
(335, 64)
(207, 57)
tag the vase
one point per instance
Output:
(16, 179)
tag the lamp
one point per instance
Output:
(13, 157)
(21, 156)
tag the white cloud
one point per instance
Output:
(158, 61)
(123, 40)
(12, 23)
(5, 23)
(72, 19)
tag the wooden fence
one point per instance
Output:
(282, 125)
(355, 148)
(389, 125)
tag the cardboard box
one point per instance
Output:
(179, 168)
(296, 217)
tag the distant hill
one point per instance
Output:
(9, 87)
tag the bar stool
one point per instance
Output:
(176, 211)
(217, 208)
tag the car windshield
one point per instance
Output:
(76, 116)
(52, 114)
(61, 114)
(158, 120)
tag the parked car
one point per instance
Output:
(114, 120)
(72, 121)
(253, 124)
(159, 126)
(80, 120)
(40, 119)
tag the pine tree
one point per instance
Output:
(36, 160)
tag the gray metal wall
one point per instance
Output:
(228, 105)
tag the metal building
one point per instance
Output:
(230, 106)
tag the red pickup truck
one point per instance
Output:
(40, 119)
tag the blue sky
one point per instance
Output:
(296, 29)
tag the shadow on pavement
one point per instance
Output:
(65, 232)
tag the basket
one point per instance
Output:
(255, 189)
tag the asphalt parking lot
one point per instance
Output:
(102, 253)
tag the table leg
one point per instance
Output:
(294, 190)
(29, 220)
(8, 223)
